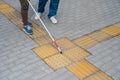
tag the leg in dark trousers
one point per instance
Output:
(24, 11)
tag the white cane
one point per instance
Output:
(54, 41)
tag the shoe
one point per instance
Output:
(54, 21)
(27, 29)
(36, 15)
(30, 24)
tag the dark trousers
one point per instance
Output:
(53, 7)
(24, 11)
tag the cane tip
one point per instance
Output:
(60, 52)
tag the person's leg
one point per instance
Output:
(41, 5)
(53, 8)
(24, 11)
(41, 8)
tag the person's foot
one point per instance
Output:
(37, 15)
(30, 24)
(27, 29)
(53, 20)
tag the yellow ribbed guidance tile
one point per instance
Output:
(85, 42)
(1, 2)
(43, 40)
(112, 30)
(45, 51)
(57, 61)
(117, 24)
(99, 36)
(4, 6)
(76, 54)
(6, 9)
(99, 76)
(37, 31)
(65, 43)
(83, 69)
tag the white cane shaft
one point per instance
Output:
(41, 21)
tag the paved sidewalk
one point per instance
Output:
(19, 62)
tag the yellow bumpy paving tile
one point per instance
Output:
(112, 30)
(99, 36)
(85, 42)
(65, 43)
(57, 61)
(76, 54)
(99, 76)
(83, 69)
(45, 51)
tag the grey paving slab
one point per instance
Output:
(106, 56)
(79, 18)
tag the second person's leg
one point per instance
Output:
(53, 8)
(41, 8)
(41, 5)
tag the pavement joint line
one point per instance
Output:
(111, 36)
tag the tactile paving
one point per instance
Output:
(3, 6)
(65, 43)
(1, 2)
(112, 30)
(45, 51)
(43, 40)
(99, 76)
(99, 36)
(76, 54)
(83, 69)
(57, 61)
(117, 24)
(85, 42)
(37, 31)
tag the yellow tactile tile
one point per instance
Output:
(5, 9)
(14, 17)
(45, 51)
(1, 2)
(3, 6)
(112, 30)
(37, 31)
(83, 69)
(99, 36)
(57, 61)
(99, 76)
(76, 54)
(117, 24)
(85, 42)
(43, 40)
(65, 43)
